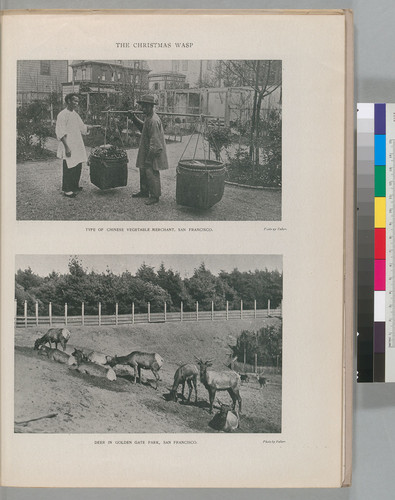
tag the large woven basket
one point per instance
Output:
(108, 173)
(200, 183)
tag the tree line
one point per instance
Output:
(264, 344)
(146, 285)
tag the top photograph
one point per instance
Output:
(149, 140)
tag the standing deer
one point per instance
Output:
(219, 381)
(262, 380)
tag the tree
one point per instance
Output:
(32, 128)
(266, 343)
(75, 267)
(27, 279)
(21, 295)
(260, 285)
(146, 273)
(78, 285)
(172, 283)
(263, 77)
(133, 289)
(205, 288)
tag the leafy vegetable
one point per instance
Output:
(109, 152)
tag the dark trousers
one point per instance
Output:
(150, 182)
(71, 177)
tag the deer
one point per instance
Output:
(84, 366)
(54, 335)
(96, 357)
(185, 373)
(262, 380)
(219, 381)
(57, 355)
(243, 376)
(138, 360)
(228, 418)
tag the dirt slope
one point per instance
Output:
(86, 404)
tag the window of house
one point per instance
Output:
(184, 65)
(45, 67)
(137, 79)
(83, 74)
(209, 65)
(156, 86)
(119, 76)
(113, 77)
(103, 76)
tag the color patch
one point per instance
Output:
(379, 336)
(379, 274)
(379, 149)
(379, 118)
(379, 180)
(379, 212)
(379, 243)
(365, 112)
(379, 306)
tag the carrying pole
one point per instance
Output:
(166, 113)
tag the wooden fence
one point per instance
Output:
(24, 321)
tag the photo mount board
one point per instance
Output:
(315, 446)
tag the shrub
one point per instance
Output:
(33, 129)
(240, 169)
(218, 137)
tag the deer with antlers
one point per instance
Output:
(219, 381)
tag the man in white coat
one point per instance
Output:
(69, 130)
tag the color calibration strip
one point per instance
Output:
(375, 166)
(389, 246)
(380, 159)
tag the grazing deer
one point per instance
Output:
(185, 373)
(54, 335)
(138, 360)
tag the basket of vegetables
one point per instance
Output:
(108, 167)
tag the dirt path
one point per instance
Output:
(39, 196)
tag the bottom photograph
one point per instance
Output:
(148, 343)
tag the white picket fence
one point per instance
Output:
(24, 321)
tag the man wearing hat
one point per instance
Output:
(152, 157)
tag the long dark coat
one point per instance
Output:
(152, 149)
